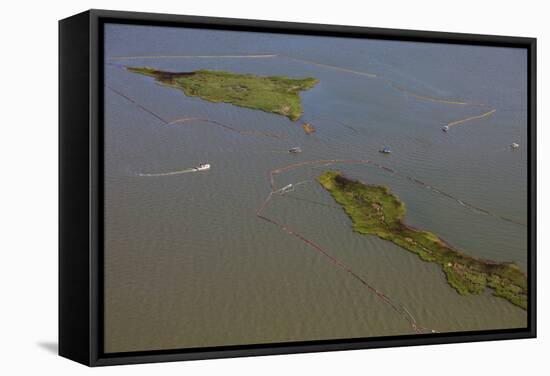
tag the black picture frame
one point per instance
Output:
(81, 186)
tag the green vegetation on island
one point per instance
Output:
(374, 210)
(275, 94)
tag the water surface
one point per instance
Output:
(187, 261)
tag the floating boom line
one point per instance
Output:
(406, 91)
(448, 195)
(399, 309)
(465, 204)
(334, 67)
(225, 126)
(267, 134)
(131, 100)
(259, 56)
(432, 99)
(457, 122)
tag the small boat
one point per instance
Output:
(514, 145)
(445, 128)
(286, 188)
(385, 150)
(202, 167)
(294, 150)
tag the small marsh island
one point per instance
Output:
(374, 210)
(275, 94)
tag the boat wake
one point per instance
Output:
(260, 213)
(201, 167)
(190, 119)
(171, 173)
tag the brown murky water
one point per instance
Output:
(187, 261)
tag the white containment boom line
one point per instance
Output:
(457, 122)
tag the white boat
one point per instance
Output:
(202, 167)
(514, 145)
(296, 149)
(286, 188)
(445, 128)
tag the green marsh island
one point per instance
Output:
(275, 94)
(374, 210)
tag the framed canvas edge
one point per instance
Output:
(98, 17)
